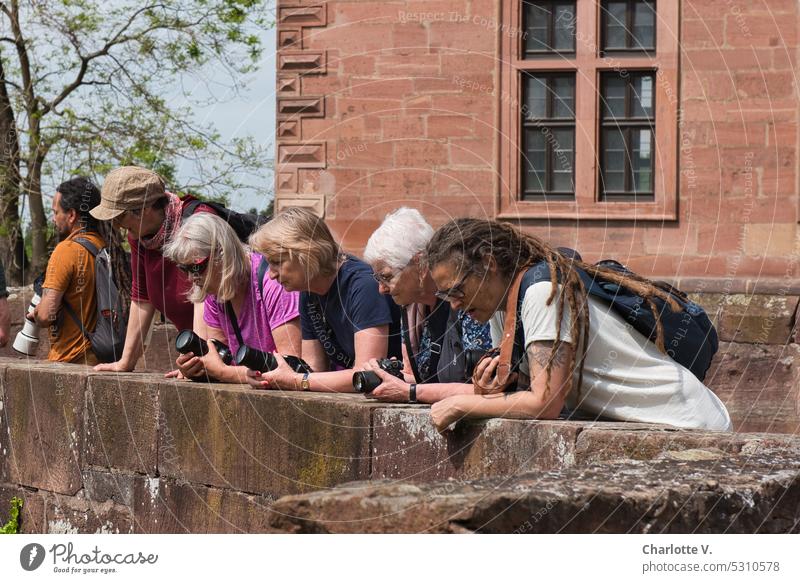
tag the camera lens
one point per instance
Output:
(223, 351)
(187, 341)
(256, 359)
(366, 381)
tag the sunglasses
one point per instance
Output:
(196, 268)
(455, 292)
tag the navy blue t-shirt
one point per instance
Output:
(353, 303)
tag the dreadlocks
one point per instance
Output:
(465, 243)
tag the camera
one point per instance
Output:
(187, 341)
(471, 360)
(367, 381)
(27, 339)
(255, 359)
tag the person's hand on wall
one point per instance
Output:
(446, 412)
(5, 322)
(283, 377)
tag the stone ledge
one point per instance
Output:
(699, 491)
(137, 452)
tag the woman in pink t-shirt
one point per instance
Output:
(224, 273)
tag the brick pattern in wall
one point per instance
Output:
(397, 123)
(295, 63)
(384, 103)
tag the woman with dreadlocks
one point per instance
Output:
(577, 352)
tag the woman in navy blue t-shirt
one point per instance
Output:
(344, 318)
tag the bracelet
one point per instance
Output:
(296, 388)
(412, 393)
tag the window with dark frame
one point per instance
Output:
(548, 136)
(549, 28)
(627, 135)
(628, 26)
(581, 127)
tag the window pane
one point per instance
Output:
(615, 33)
(535, 97)
(563, 88)
(564, 37)
(537, 18)
(613, 160)
(644, 25)
(642, 96)
(642, 161)
(613, 96)
(534, 160)
(561, 141)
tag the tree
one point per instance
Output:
(87, 85)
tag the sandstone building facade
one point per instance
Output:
(663, 133)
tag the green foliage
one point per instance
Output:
(12, 526)
(116, 83)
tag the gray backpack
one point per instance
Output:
(108, 338)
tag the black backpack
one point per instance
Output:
(108, 337)
(243, 223)
(690, 338)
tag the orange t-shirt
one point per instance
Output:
(71, 270)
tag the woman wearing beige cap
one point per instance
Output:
(136, 199)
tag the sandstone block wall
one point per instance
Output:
(95, 452)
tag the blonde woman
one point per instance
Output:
(232, 283)
(345, 320)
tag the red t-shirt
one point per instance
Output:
(159, 282)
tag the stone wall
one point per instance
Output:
(95, 452)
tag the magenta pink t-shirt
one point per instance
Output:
(258, 316)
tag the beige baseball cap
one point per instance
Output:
(128, 188)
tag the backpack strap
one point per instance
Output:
(71, 313)
(93, 250)
(189, 208)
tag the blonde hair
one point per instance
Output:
(207, 235)
(299, 234)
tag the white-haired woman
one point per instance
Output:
(345, 320)
(237, 294)
(440, 344)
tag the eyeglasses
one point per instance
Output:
(196, 268)
(455, 292)
(384, 279)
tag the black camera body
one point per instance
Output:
(367, 381)
(255, 359)
(187, 341)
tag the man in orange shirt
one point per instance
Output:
(70, 277)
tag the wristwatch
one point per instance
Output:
(304, 384)
(412, 393)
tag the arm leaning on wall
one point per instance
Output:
(537, 403)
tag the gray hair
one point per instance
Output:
(207, 235)
(403, 234)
